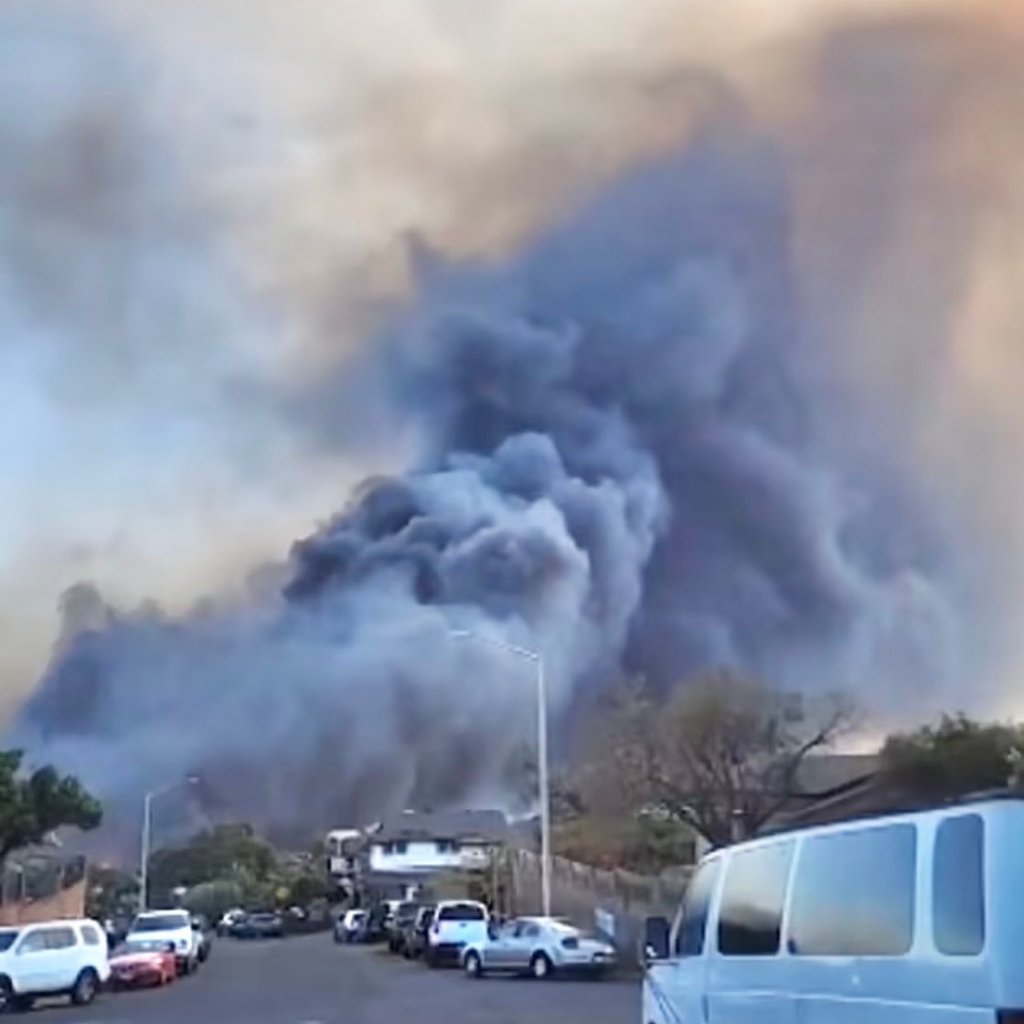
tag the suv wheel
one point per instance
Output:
(474, 966)
(6, 995)
(85, 988)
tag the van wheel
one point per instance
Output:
(85, 988)
(540, 966)
(474, 967)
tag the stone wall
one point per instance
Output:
(613, 902)
(41, 886)
(67, 903)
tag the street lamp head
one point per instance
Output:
(460, 634)
(192, 780)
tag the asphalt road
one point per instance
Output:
(310, 980)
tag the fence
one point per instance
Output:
(614, 902)
(41, 886)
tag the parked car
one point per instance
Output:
(403, 917)
(201, 927)
(49, 959)
(139, 963)
(377, 921)
(169, 926)
(538, 946)
(416, 933)
(349, 927)
(888, 920)
(228, 920)
(263, 924)
(456, 924)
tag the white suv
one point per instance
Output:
(171, 927)
(51, 958)
(456, 924)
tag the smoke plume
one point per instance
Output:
(745, 401)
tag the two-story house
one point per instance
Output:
(414, 845)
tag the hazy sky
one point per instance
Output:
(203, 205)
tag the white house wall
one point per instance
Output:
(424, 856)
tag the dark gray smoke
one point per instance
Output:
(626, 464)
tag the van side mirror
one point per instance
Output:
(656, 939)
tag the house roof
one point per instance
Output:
(465, 826)
(824, 774)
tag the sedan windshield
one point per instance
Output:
(160, 922)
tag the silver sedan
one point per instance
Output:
(538, 946)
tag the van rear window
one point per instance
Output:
(958, 886)
(853, 894)
(750, 918)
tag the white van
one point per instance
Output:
(906, 919)
(51, 958)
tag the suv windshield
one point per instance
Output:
(461, 912)
(160, 922)
(7, 939)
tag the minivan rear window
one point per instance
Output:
(461, 912)
(853, 893)
(958, 886)
(750, 917)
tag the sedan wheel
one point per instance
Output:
(540, 966)
(474, 966)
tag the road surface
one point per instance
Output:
(310, 980)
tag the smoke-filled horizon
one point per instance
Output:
(744, 397)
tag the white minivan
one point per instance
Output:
(51, 958)
(906, 919)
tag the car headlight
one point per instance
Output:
(182, 944)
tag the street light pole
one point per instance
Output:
(147, 828)
(544, 783)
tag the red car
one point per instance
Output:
(143, 962)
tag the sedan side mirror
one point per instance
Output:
(656, 939)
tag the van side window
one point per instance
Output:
(853, 894)
(691, 927)
(958, 886)
(750, 918)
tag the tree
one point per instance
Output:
(953, 758)
(720, 752)
(110, 891)
(225, 853)
(34, 805)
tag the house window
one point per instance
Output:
(388, 848)
(401, 846)
(446, 846)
